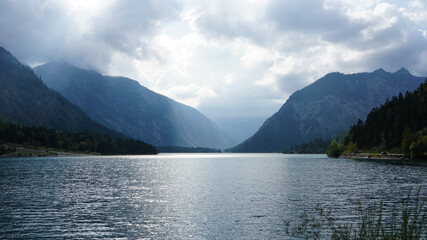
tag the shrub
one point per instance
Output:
(418, 149)
(335, 149)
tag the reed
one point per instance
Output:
(406, 222)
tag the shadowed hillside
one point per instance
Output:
(326, 107)
(124, 105)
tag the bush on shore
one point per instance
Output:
(335, 149)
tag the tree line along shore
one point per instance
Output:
(396, 130)
(19, 140)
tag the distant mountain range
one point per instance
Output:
(326, 107)
(25, 99)
(122, 104)
(85, 99)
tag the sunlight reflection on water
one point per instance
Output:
(190, 196)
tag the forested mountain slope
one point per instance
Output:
(394, 126)
(25, 99)
(326, 107)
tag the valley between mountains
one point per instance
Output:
(58, 95)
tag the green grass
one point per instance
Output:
(406, 221)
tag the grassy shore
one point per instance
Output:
(16, 150)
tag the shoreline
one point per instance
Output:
(21, 151)
(374, 156)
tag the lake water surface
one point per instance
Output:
(188, 196)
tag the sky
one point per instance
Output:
(236, 61)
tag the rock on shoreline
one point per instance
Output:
(374, 156)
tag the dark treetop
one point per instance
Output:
(399, 125)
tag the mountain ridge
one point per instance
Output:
(25, 99)
(7, 56)
(327, 106)
(124, 105)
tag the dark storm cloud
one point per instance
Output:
(40, 31)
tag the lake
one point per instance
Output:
(189, 196)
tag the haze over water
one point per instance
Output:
(188, 196)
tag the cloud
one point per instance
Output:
(127, 25)
(190, 93)
(416, 10)
(40, 31)
(234, 19)
(406, 52)
(312, 18)
(370, 30)
(29, 29)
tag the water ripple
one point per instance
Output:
(188, 196)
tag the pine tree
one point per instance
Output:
(406, 140)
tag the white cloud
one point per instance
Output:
(416, 10)
(190, 94)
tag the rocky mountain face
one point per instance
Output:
(25, 99)
(124, 105)
(326, 107)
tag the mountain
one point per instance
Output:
(124, 105)
(25, 99)
(328, 106)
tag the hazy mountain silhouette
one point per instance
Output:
(124, 105)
